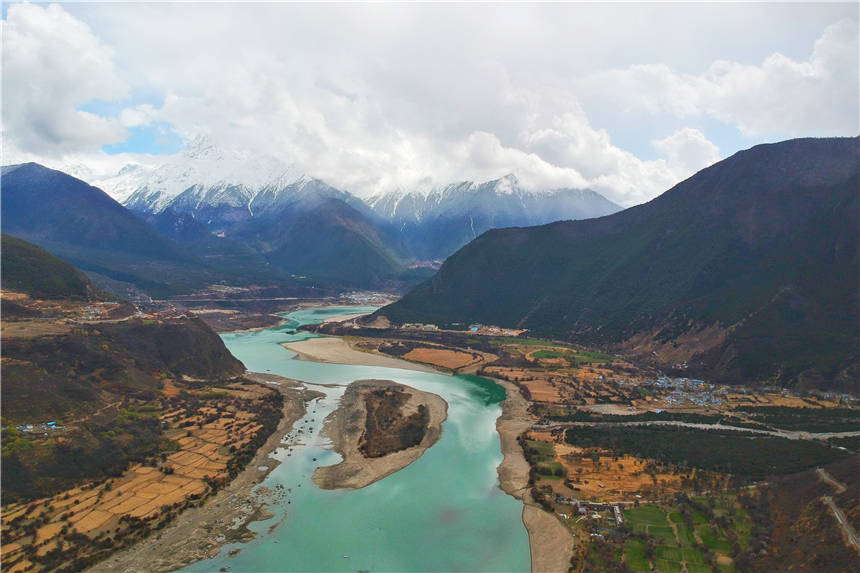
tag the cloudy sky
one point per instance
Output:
(624, 99)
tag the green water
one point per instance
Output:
(444, 512)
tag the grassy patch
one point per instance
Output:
(667, 553)
(544, 450)
(667, 566)
(663, 533)
(692, 555)
(573, 356)
(639, 527)
(685, 535)
(698, 568)
(634, 555)
(697, 516)
(648, 514)
(743, 526)
(712, 541)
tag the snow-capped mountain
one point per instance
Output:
(498, 198)
(270, 206)
(436, 223)
(202, 174)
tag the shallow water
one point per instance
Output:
(444, 512)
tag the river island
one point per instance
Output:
(379, 428)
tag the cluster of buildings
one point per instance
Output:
(366, 297)
(42, 428)
(687, 391)
(494, 330)
(419, 326)
(593, 510)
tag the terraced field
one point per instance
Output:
(210, 430)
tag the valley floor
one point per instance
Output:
(622, 468)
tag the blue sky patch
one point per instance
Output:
(157, 139)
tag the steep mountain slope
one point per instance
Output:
(436, 224)
(85, 226)
(34, 271)
(324, 238)
(748, 270)
(47, 205)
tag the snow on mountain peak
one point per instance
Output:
(201, 165)
(507, 184)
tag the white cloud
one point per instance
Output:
(138, 116)
(376, 97)
(52, 63)
(687, 151)
(780, 96)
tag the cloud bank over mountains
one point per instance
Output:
(624, 100)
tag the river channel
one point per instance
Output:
(444, 512)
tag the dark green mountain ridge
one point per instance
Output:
(748, 270)
(30, 270)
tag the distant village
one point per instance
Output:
(481, 329)
(44, 428)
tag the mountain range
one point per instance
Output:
(214, 211)
(747, 270)
(163, 256)
(435, 224)
(240, 195)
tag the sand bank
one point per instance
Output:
(550, 542)
(199, 532)
(337, 351)
(345, 426)
(344, 317)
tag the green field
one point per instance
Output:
(685, 535)
(574, 356)
(647, 514)
(667, 566)
(711, 540)
(676, 545)
(698, 517)
(692, 555)
(542, 456)
(545, 451)
(662, 533)
(668, 553)
(634, 555)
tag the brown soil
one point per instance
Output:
(681, 348)
(612, 478)
(449, 359)
(542, 391)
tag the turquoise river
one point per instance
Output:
(444, 512)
